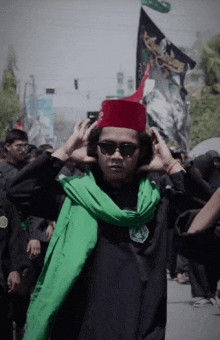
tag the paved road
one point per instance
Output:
(186, 322)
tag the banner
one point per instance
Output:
(45, 113)
(164, 93)
(157, 5)
(40, 124)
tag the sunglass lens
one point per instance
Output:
(107, 148)
(127, 150)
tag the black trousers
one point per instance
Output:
(6, 328)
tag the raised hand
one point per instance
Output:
(76, 146)
(163, 159)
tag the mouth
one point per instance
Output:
(115, 167)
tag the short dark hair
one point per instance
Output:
(15, 134)
(42, 148)
(144, 139)
(31, 147)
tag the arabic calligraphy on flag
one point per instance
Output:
(164, 93)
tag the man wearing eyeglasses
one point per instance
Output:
(16, 143)
(105, 270)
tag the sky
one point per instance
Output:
(58, 41)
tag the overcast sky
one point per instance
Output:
(59, 40)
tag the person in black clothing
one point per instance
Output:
(120, 292)
(203, 269)
(214, 176)
(16, 144)
(13, 260)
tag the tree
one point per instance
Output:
(9, 102)
(205, 115)
(205, 110)
(211, 64)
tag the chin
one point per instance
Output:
(21, 159)
(117, 177)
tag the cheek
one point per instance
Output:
(101, 159)
(13, 151)
(132, 163)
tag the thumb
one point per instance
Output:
(28, 247)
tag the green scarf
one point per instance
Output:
(74, 238)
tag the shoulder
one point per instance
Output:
(5, 167)
(5, 204)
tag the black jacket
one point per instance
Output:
(13, 255)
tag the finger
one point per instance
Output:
(15, 287)
(156, 134)
(92, 126)
(11, 287)
(77, 126)
(36, 252)
(28, 247)
(33, 256)
(87, 133)
(9, 282)
(84, 127)
(90, 160)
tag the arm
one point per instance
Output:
(208, 215)
(190, 191)
(16, 241)
(35, 189)
(50, 229)
(16, 260)
(39, 230)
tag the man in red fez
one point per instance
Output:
(105, 269)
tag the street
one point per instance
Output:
(186, 322)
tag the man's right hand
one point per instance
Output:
(76, 146)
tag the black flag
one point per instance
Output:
(164, 93)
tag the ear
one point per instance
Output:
(7, 146)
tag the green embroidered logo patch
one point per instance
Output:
(139, 235)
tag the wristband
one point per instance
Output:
(172, 166)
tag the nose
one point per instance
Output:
(117, 154)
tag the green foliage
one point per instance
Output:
(9, 81)
(194, 77)
(211, 64)
(205, 114)
(9, 102)
(205, 111)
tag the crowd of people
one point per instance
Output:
(88, 232)
(201, 271)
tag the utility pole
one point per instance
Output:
(18, 89)
(24, 116)
(34, 96)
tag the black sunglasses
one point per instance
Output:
(125, 149)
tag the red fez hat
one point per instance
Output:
(123, 114)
